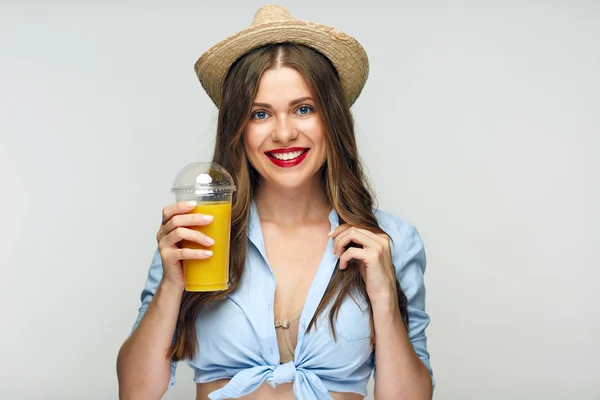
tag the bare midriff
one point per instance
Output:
(284, 391)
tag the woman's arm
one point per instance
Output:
(401, 356)
(400, 372)
(143, 367)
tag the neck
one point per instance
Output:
(291, 207)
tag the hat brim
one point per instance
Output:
(345, 53)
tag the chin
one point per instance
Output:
(291, 181)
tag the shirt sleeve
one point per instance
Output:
(409, 258)
(154, 277)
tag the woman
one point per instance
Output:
(323, 288)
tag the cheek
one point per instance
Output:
(314, 129)
(254, 136)
(250, 142)
(312, 125)
(248, 149)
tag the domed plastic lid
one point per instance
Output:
(203, 178)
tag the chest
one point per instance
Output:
(294, 256)
(238, 330)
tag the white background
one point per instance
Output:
(479, 124)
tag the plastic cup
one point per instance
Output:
(211, 186)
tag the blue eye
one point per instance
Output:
(259, 115)
(303, 110)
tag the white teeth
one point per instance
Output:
(288, 156)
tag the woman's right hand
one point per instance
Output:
(175, 227)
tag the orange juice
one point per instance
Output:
(212, 273)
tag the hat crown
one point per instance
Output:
(271, 13)
(273, 24)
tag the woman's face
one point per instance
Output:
(285, 137)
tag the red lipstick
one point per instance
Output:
(290, 162)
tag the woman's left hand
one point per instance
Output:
(374, 259)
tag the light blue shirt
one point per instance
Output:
(237, 340)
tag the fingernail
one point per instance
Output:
(210, 240)
(330, 233)
(191, 203)
(208, 252)
(207, 218)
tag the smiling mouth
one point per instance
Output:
(287, 155)
(287, 158)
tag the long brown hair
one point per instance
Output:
(341, 175)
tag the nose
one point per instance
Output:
(284, 131)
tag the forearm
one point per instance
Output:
(401, 375)
(143, 367)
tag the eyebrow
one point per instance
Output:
(292, 103)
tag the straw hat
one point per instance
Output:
(274, 24)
